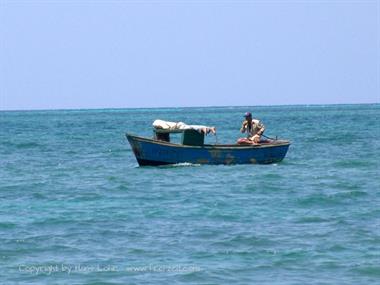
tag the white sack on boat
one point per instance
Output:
(178, 126)
(172, 126)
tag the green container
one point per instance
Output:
(193, 137)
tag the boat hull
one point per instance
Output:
(155, 153)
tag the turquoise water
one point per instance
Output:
(76, 209)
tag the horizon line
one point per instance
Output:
(181, 107)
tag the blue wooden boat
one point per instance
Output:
(160, 151)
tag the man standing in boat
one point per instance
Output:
(253, 127)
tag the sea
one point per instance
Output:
(75, 207)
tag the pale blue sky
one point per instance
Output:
(104, 54)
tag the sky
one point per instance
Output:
(126, 54)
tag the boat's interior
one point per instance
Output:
(194, 138)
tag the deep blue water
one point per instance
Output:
(73, 198)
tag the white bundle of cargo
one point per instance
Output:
(172, 127)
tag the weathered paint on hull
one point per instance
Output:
(154, 153)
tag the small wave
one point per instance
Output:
(6, 225)
(347, 185)
(22, 145)
(318, 199)
(353, 163)
(38, 196)
(307, 220)
(120, 150)
(112, 178)
(331, 199)
(86, 197)
(372, 271)
(243, 240)
(272, 176)
(122, 187)
(182, 164)
(350, 194)
(28, 145)
(337, 248)
(53, 221)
